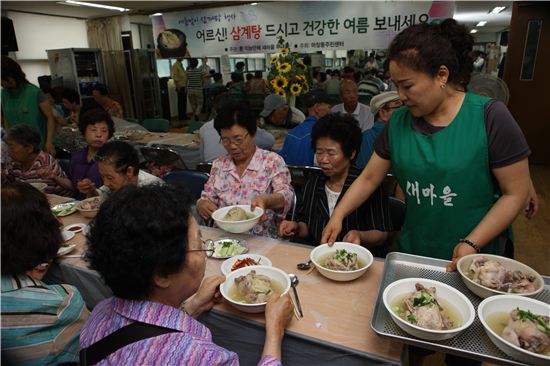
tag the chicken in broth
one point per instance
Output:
(342, 260)
(237, 214)
(492, 274)
(253, 288)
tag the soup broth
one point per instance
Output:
(235, 295)
(399, 308)
(322, 260)
(499, 320)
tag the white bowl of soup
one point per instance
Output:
(89, 207)
(249, 288)
(511, 323)
(341, 261)
(237, 218)
(488, 275)
(434, 311)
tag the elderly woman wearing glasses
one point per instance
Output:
(147, 247)
(247, 174)
(40, 322)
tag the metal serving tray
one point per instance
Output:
(471, 343)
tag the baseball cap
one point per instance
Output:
(272, 102)
(378, 101)
(317, 96)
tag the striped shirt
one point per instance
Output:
(195, 79)
(40, 323)
(32, 175)
(313, 208)
(191, 345)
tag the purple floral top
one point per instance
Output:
(265, 174)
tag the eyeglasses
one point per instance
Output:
(238, 141)
(207, 247)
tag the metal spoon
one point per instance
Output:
(304, 266)
(293, 283)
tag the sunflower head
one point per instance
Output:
(280, 92)
(284, 51)
(284, 67)
(295, 89)
(305, 88)
(300, 78)
(280, 82)
(274, 59)
(301, 66)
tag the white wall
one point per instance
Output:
(485, 37)
(37, 33)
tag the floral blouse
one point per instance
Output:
(265, 174)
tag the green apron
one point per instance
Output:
(446, 178)
(21, 106)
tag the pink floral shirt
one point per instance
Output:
(265, 174)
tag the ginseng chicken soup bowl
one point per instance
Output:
(452, 304)
(353, 252)
(237, 224)
(248, 288)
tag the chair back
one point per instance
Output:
(162, 155)
(194, 181)
(398, 209)
(299, 174)
(204, 167)
(65, 165)
(194, 126)
(156, 124)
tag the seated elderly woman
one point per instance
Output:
(247, 174)
(118, 164)
(148, 248)
(40, 323)
(96, 127)
(32, 165)
(336, 139)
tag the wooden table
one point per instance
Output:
(335, 313)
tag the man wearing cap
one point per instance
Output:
(382, 106)
(297, 149)
(278, 113)
(351, 105)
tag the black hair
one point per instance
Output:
(94, 116)
(425, 47)
(239, 66)
(24, 134)
(258, 74)
(322, 77)
(101, 88)
(341, 128)
(193, 62)
(307, 60)
(30, 231)
(348, 69)
(71, 95)
(329, 72)
(121, 155)
(235, 113)
(217, 76)
(249, 76)
(11, 69)
(336, 72)
(137, 233)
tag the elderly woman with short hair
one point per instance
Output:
(148, 248)
(247, 174)
(40, 323)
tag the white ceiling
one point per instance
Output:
(467, 12)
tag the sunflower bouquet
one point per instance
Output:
(287, 74)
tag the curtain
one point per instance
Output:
(105, 34)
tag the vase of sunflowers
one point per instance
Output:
(287, 74)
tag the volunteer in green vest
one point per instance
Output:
(460, 158)
(23, 102)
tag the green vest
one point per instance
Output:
(21, 106)
(446, 178)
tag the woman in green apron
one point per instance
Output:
(23, 102)
(460, 158)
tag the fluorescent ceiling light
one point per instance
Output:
(94, 5)
(254, 4)
(497, 9)
(156, 15)
(473, 31)
(481, 24)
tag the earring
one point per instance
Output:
(443, 86)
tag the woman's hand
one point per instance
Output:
(331, 231)
(259, 201)
(353, 236)
(49, 148)
(206, 208)
(461, 249)
(86, 187)
(46, 173)
(206, 297)
(532, 203)
(278, 312)
(288, 229)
